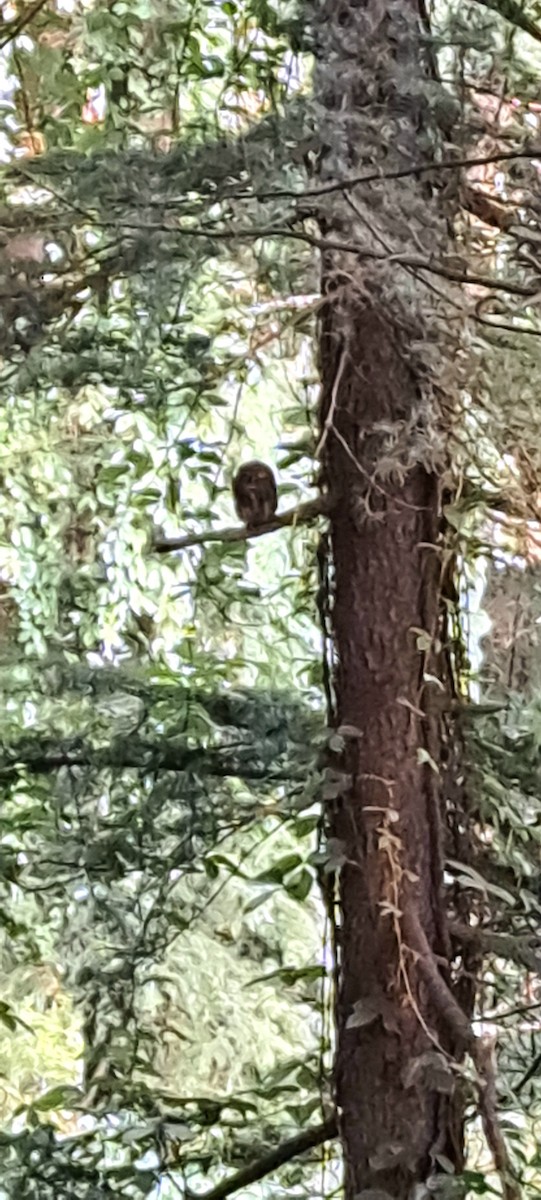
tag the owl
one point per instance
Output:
(254, 493)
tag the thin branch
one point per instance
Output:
(254, 233)
(329, 419)
(129, 753)
(271, 1161)
(342, 185)
(16, 27)
(517, 1011)
(377, 176)
(520, 950)
(299, 515)
(512, 12)
(420, 168)
(504, 327)
(408, 261)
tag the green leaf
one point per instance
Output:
(469, 877)
(10, 1019)
(299, 885)
(290, 976)
(63, 1096)
(280, 869)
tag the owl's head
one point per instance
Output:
(254, 492)
(254, 473)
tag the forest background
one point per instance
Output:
(177, 183)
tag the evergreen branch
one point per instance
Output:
(347, 185)
(512, 12)
(299, 515)
(362, 253)
(419, 168)
(249, 761)
(271, 1161)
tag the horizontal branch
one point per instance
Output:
(248, 761)
(419, 168)
(282, 1154)
(361, 252)
(239, 533)
(374, 176)
(523, 950)
(259, 712)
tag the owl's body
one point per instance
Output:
(254, 493)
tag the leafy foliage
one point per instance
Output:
(163, 1004)
(159, 920)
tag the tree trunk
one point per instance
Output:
(381, 447)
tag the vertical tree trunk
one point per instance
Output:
(381, 449)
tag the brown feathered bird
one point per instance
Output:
(254, 493)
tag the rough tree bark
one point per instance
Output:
(381, 447)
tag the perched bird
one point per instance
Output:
(254, 493)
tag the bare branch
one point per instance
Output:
(138, 754)
(300, 515)
(329, 419)
(525, 951)
(16, 27)
(38, 169)
(512, 12)
(270, 1162)
(255, 233)
(420, 168)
